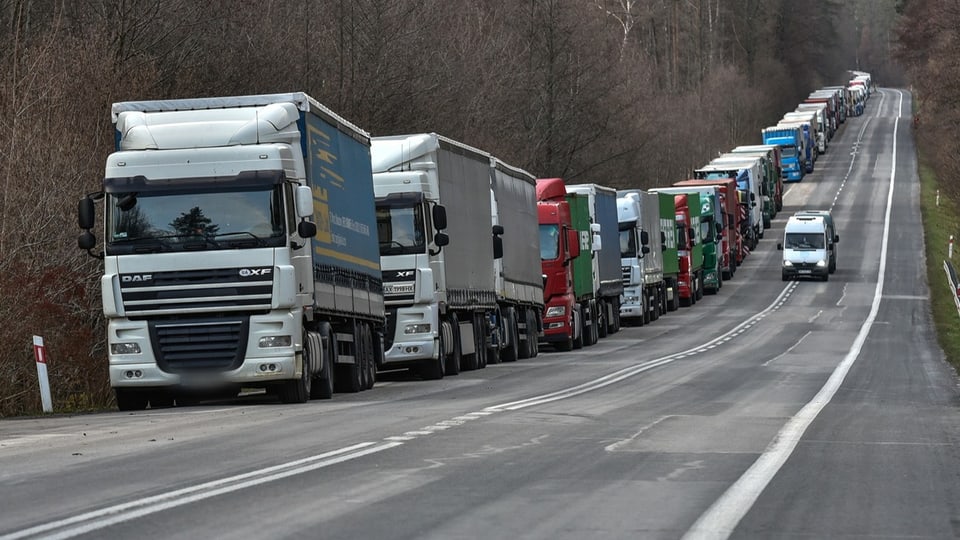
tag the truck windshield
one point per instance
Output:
(787, 152)
(628, 241)
(804, 241)
(192, 220)
(400, 229)
(549, 242)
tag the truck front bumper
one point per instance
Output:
(258, 366)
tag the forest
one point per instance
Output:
(626, 93)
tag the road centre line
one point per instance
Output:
(99, 519)
(723, 516)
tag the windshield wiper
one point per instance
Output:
(259, 240)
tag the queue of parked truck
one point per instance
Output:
(266, 242)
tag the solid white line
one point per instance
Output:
(720, 520)
(111, 515)
(631, 371)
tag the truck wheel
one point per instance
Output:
(591, 335)
(510, 352)
(601, 319)
(323, 386)
(299, 389)
(432, 369)
(131, 400)
(348, 376)
(493, 349)
(577, 330)
(452, 364)
(480, 337)
(161, 399)
(533, 334)
(700, 286)
(370, 357)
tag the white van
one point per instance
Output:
(805, 248)
(832, 237)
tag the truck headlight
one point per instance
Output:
(268, 342)
(556, 311)
(418, 328)
(631, 300)
(125, 348)
(821, 263)
(787, 264)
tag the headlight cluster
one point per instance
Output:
(417, 328)
(556, 311)
(269, 342)
(631, 299)
(821, 263)
(787, 264)
(125, 348)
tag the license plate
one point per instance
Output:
(803, 271)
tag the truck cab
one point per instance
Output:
(560, 245)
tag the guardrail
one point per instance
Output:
(954, 283)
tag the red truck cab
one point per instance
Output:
(559, 245)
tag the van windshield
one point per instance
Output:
(804, 241)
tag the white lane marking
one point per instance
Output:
(786, 352)
(98, 519)
(720, 520)
(631, 371)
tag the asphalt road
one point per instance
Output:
(773, 409)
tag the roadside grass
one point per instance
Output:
(939, 222)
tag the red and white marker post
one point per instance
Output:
(40, 352)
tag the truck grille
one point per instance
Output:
(199, 345)
(197, 291)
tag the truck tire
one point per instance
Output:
(432, 369)
(525, 345)
(510, 351)
(591, 335)
(601, 319)
(470, 362)
(371, 357)
(480, 337)
(349, 376)
(700, 286)
(299, 389)
(493, 348)
(577, 329)
(323, 386)
(533, 333)
(131, 400)
(452, 364)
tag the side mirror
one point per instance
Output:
(644, 238)
(497, 230)
(439, 218)
(85, 213)
(441, 239)
(693, 236)
(779, 246)
(86, 240)
(497, 247)
(836, 239)
(305, 205)
(645, 249)
(573, 243)
(306, 229)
